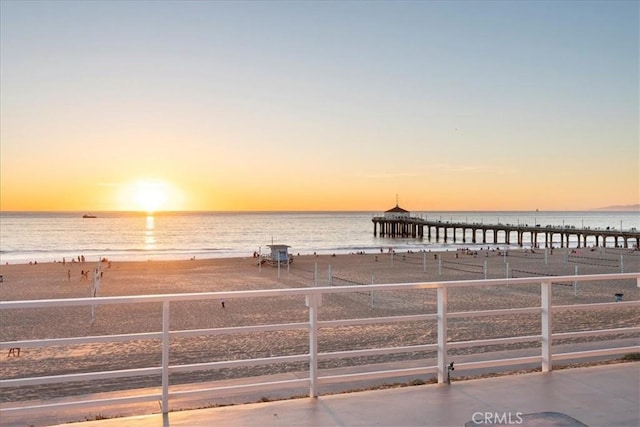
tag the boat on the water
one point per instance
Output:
(89, 216)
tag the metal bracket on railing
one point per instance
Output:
(449, 369)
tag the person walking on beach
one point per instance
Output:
(222, 303)
(69, 275)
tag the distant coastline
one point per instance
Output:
(620, 208)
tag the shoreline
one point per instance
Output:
(404, 247)
(398, 246)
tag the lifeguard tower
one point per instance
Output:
(279, 255)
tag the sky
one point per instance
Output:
(233, 106)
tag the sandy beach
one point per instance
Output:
(55, 280)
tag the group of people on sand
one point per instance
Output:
(84, 274)
(80, 259)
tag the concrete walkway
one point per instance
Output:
(599, 396)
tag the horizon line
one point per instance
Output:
(615, 208)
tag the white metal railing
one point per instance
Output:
(313, 298)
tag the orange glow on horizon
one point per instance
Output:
(234, 194)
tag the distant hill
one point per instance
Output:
(619, 208)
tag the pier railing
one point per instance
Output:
(313, 297)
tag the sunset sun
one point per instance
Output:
(148, 196)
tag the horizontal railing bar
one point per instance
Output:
(376, 351)
(239, 329)
(506, 311)
(244, 387)
(278, 327)
(81, 340)
(287, 292)
(494, 341)
(19, 382)
(330, 379)
(374, 320)
(595, 306)
(563, 335)
(83, 403)
(498, 362)
(599, 352)
(238, 363)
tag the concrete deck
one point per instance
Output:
(599, 396)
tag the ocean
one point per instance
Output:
(126, 236)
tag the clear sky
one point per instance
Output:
(122, 105)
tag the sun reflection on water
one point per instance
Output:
(149, 235)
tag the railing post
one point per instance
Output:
(313, 301)
(442, 334)
(165, 357)
(546, 326)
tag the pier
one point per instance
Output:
(397, 223)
